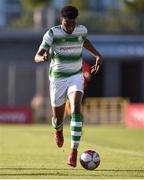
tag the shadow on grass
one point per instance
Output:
(67, 169)
(70, 172)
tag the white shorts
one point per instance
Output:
(60, 88)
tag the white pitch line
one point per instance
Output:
(118, 150)
(123, 151)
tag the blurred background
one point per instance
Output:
(116, 28)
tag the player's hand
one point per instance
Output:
(45, 56)
(39, 58)
(95, 68)
(42, 55)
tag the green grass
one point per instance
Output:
(31, 152)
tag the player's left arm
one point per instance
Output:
(98, 57)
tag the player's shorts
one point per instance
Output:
(60, 88)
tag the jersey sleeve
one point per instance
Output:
(84, 31)
(47, 40)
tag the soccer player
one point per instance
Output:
(64, 44)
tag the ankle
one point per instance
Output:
(57, 125)
(59, 130)
(75, 150)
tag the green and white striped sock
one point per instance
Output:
(76, 129)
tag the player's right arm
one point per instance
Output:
(43, 52)
(41, 56)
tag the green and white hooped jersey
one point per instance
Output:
(65, 50)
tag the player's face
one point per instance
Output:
(68, 24)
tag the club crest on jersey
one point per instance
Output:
(80, 38)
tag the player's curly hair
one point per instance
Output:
(69, 12)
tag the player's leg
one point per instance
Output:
(75, 97)
(76, 125)
(58, 95)
(57, 119)
(57, 122)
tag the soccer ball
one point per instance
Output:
(90, 159)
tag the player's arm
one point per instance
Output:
(41, 56)
(43, 52)
(88, 45)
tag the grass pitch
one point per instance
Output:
(29, 151)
